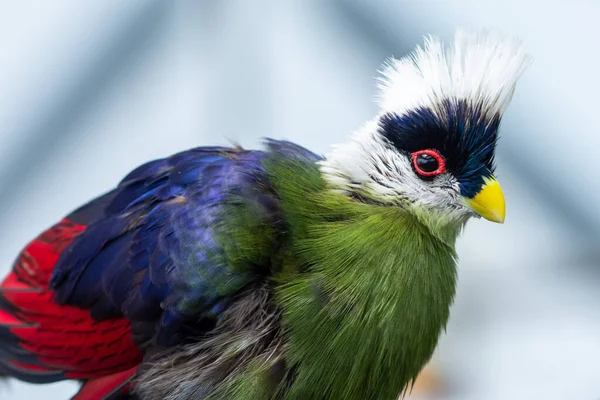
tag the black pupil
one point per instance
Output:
(427, 163)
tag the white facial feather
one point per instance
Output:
(368, 164)
(479, 68)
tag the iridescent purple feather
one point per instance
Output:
(150, 253)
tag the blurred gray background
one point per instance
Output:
(89, 90)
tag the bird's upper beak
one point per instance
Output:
(489, 202)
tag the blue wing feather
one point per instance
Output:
(149, 252)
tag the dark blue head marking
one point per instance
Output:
(460, 131)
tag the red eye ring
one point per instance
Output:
(432, 157)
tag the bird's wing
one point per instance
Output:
(144, 265)
(41, 341)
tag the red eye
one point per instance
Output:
(428, 162)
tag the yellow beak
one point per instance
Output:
(489, 202)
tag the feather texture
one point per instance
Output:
(365, 290)
(153, 257)
(481, 67)
(41, 341)
(149, 265)
(224, 273)
(252, 275)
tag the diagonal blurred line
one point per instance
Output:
(363, 22)
(48, 134)
(583, 230)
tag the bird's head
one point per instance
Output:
(431, 148)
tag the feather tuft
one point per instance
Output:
(249, 332)
(481, 67)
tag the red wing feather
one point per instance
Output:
(106, 387)
(41, 341)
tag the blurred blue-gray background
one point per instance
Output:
(89, 90)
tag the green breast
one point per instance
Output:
(365, 291)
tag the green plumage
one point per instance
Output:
(364, 290)
(347, 263)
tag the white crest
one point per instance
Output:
(481, 67)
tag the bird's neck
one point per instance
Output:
(365, 291)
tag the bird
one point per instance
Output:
(226, 273)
